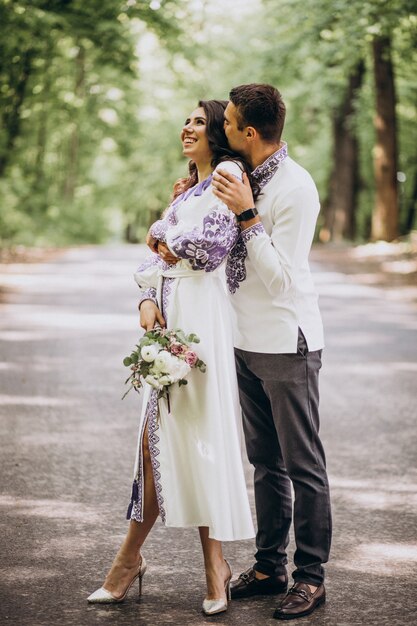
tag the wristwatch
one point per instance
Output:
(247, 215)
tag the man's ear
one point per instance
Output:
(251, 133)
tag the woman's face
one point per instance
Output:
(195, 144)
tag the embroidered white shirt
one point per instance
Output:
(268, 271)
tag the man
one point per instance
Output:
(278, 351)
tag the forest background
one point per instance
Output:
(93, 96)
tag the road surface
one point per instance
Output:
(68, 445)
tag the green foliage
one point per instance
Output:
(318, 43)
(93, 96)
(68, 114)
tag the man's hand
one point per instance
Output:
(150, 315)
(151, 242)
(165, 253)
(236, 194)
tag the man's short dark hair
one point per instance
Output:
(260, 106)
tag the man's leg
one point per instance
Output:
(272, 485)
(291, 382)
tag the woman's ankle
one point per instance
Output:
(128, 558)
(219, 569)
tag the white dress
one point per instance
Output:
(195, 449)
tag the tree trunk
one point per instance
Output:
(74, 143)
(341, 203)
(386, 210)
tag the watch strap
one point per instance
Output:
(247, 215)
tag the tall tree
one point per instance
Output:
(386, 211)
(341, 203)
(337, 36)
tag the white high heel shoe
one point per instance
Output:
(102, 596)
(218, 605)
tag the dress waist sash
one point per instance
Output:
(180, 271)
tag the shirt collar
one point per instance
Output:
(265, 171)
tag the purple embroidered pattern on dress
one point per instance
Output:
(166, 291)
(159, 229)
(153, 440)
(206, 248)
(135, 508)
(148, 294)
(235, 267)
(136, 511)
(152, 259)
(171, 217)
(265, 171)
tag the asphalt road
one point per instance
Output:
(68, 445)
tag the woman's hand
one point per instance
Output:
(165, 253)
(150, 315)
(236, 194)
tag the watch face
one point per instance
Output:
(248, 214)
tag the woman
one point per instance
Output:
(188, 466)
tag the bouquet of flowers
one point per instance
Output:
(161, 358)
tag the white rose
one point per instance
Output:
(165, 380)
(178, 369)
(149, 353)
(151, 380)
(162, 362)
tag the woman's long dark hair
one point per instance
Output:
(217, 140)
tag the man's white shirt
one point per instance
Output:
(269, 272)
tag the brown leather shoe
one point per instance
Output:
(299, 601)
(248, 585)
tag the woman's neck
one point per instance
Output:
(203, 171)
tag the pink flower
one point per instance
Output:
(191, 358)
(176, 348)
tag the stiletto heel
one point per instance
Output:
(102, 596)
(140, 577)
(212, 607)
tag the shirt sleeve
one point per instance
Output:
(146, 277)
(159, 228)
(205, 246)
(278, 257)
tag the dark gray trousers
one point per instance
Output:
(279, 395)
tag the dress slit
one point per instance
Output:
(135, 510)
(153, 440)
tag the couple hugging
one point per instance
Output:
(229, 262)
